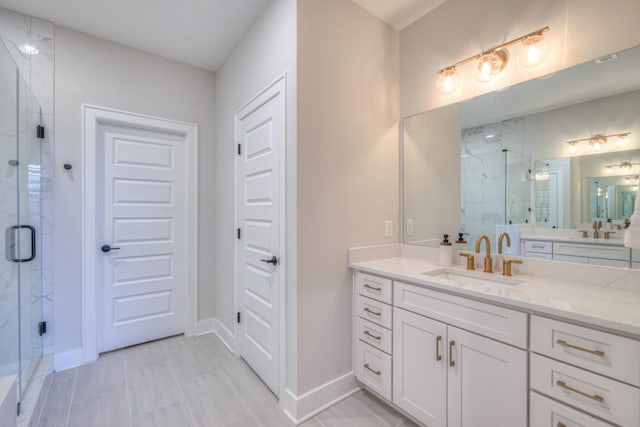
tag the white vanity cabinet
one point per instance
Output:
(635, 258)
(580, 253)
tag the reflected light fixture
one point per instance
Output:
(598, 142)
(28, 49)
(625, 167)
(489, 63)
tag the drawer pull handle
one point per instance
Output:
(368, 310)
(575, 347)
(366, 365)
(564, 385)
(438, 341)
(372, 336)
(373, 288)
(452, 363)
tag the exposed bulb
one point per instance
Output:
(623, 141)
(490, 65)
(573, 147)
(626, 167)
(597, 142)
(609, 169)
(533, 50)
(448, 80)
(28, 49)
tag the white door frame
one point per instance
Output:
(282, 258)
(92, 116)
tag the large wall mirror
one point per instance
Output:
(515, 163)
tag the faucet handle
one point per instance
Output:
(506, 266)
(607, 234)
(585, 233)
(470, 261)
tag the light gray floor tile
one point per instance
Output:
(158, 372)
(191, 361)
(144, 355)
(96, 378)
(349, 413)
(180, 343)
(242, 378)
(245, 422)
(109, 409)
(384, 412)
(155, 393)
(266, 410)
(213, 345)
(212, 401)
(56, 407)
(176, 415)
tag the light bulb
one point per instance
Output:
(596, 146)
(623, 141)
(533, 50)
(597, 142)
(28, 49)
(448, 80)
(626, 167)
(609, 169)
(491, 64)
(573, 147)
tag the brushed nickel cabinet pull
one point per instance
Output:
(575, 347)
(372, 336)
(372, 288)
(564, 385)
(368, 310)
(438, 341)
(451, 361)
(366, 366)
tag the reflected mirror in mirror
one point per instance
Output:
(515, 164)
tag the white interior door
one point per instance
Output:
(260, 131)
(142, 210)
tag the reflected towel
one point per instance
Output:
(632, 234)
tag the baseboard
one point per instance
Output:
(205, 326)
(225, 335)
(301, 408)
(68, 359)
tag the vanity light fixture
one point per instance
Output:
(624, 166)
(597, 142)
(489, 63)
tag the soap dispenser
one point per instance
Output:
(446, 252)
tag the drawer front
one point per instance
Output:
(549, 413)
(609, 262)
(635, 255)
(594, 251)
(608, 399)
(537, 246)
(600, 352)
(635, 265)
(499, 323)
(373, 334)
(373, 369)
(538, 255)
(570, 258)
(374, 287)
(374, 311)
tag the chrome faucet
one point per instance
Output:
(488, 264)
(502, 236)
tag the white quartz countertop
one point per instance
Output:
(577, 239)
(603, 306)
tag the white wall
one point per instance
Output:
(95, 71)
(348, 170)
(266, 52)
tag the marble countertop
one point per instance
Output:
(614, 305)
(577, 239)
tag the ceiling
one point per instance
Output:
(399, 13)
(196, 32)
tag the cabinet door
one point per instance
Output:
(487, 382)
(419, 367)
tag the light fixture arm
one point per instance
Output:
(574, 141)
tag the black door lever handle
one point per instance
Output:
(107, 248)
(273, 260)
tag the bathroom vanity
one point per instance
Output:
(448, 345)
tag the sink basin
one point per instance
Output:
(471, 278)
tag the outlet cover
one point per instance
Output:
(409, 227)
(388, 228)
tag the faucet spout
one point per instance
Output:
(488, 264)
(502, 237)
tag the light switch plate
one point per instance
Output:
(409, 227)
(388, 228)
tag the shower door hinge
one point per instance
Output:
(238, 317)
(40, 132)
(18, 409)
(239, 149)
(42, 328)
(239, 234)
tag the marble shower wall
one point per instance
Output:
(38, 73)
(495, 183)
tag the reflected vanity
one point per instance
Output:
(554, 161)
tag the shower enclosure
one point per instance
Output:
(21, 325)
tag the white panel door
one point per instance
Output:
(143, 208)
(487, 382)
(420, 367)
(260, 131)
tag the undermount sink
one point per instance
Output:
(471, 278)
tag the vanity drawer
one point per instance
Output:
(538, 246)
(609, 262)
(635, 255)
(619, 357)
(373, 369)
(373, 334)
(499, 323)
(635, 265)
(545, 412)
(538, 255)
(592, 251)
(603, 397)
(374, 311)
(569, 258)
(374, 287)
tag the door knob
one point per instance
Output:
(107, 248)
(273, 260)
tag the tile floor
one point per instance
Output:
(181, 382)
